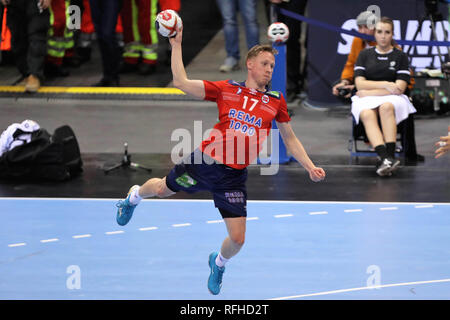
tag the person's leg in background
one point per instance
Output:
(388, 125)
(84, 43)
(131, 38)
(56, 40)
(148, 9)
(295, 78)
(104, 15)
(248, 9)
(229, 9)
(19, 40)
(382, 139)
(37, 30)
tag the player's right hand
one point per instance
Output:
(177, 38)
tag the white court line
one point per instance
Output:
(181, 225)
(318, 212)
(212, 201)
(388, 208)
(17, 244)
(252, 218)
(50, 240)
(424, 206)
(353, 210)
(283, 215)
(148, 228)
(214, 221)
(79, 236)
(360, 288)
(114, 232)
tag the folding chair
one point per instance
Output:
(359, 138)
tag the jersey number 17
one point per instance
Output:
(254, 103)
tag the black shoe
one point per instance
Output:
(414, 159)
(84, 54)
(72, 62)
(107, 83)
(128, 67)
(146, 69)
(53, 70)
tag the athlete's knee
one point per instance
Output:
(159, 188)
(162, 191)
(238, 238)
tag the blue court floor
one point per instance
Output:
(73, 249)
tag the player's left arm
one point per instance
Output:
(295, 147)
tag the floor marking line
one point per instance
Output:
(252, 218)
(212, 201)
(148, 228)
(214, 221)
(360, 289)
(283, 215)
(178, 225)
(353, 210)
(424, 206)
(318, 212)
(114, 232)
(17, 244)
(388, 208)
(50, 240)
(79, 236)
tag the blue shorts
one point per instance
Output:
(225, 183)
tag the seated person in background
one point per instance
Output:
(358, 44)
(381, 77)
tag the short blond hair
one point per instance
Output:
(255, 50)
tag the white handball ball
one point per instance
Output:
(278, 32)
(167, 22)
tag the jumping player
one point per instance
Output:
(246, 111)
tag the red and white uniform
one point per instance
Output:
(245, 120)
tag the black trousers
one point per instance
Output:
(29, 29)
(104, 17)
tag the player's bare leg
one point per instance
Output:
(236, 237)
(230, 247)
(155, 187)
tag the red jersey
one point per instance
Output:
(245, 120)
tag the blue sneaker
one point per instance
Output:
(215, 277)
(125, 209)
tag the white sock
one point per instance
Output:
(220, 260)
(135, 198)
